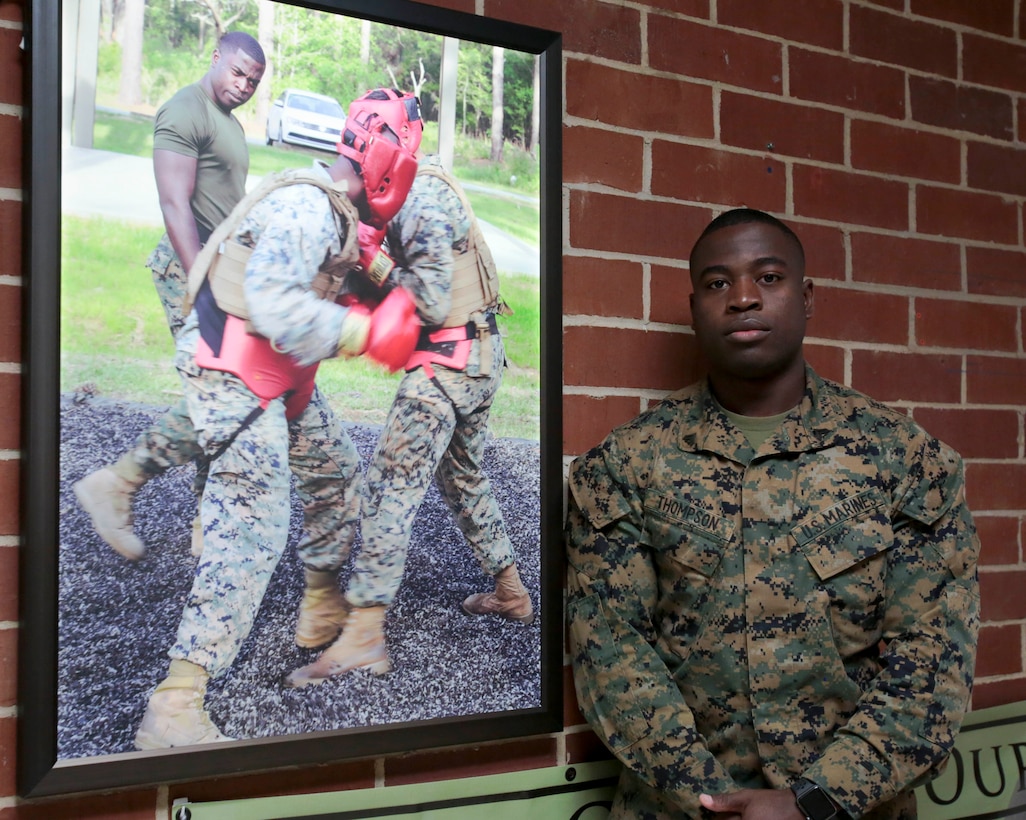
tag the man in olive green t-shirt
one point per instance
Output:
(200, 163)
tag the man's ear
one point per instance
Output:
(809, 296)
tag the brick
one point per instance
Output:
(916, 377)
(994, 379)
(10, 410)
(905, 261)
(996, 272)
(8, 760)
(596, 155)
(9, 492)
(670, 292)
(621, 225)
(899, 5)
(631, 359)
(13, 62)
(824, 250)
(853, 315)
(598, 29)
(999, 64)
(8, 583)
(10, 323)
(11, 11)
(999, 168)
(625, 98)
(698, 174)
(467, 6)
(587, 420)
(585, 747)
(594, 286)
(974, 433)
(467, 761)
(10, 238)
(997, 693)
(953, 212)
(814, 22)
(891, 149)
(1000, 650)
(999, 539)
(961, 108)
(1001, 595)
(841, 196)
(997, 486)
(572, 714)
(713, 54)
(891, 38)
(828, 361)
(995, 16)
(121, 805)
(8, 667)
(778, 126)
(11, 139)
(690, 8)
(358, 774)
(967, 325)
(853, 85)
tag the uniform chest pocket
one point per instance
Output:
(690, 536)
(845, 535)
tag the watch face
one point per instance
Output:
(816, 804)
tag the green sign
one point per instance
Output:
(984, 779)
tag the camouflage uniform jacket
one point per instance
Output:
(291, 230)
(423, 235)
(740, 618)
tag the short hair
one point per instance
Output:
(745, 216)
(240, 41)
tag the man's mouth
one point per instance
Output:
(747, 332)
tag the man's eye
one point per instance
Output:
(717, 284)
(771, 277)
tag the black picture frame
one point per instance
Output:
(39, 771)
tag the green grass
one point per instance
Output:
(115, 342)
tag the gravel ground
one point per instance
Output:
(117, 619)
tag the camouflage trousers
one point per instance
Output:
(171, 440)
(432, 430)
(246, 504)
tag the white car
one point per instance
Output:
(305, 118)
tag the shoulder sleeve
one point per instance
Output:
(181, 124)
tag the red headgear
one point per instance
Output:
(382, 134)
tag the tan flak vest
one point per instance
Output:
(223, 261)
(475, 280)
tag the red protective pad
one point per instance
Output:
(264, 370)
(376, 264)
(395, 329)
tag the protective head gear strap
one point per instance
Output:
(382, 134)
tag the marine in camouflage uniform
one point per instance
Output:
(745, 616)
(436, 429)
(200, 163)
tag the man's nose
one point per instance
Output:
(745, 295)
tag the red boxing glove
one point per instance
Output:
(376, 264)
(394, 331)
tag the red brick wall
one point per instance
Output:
(889, 133)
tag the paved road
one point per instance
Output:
(118, 186)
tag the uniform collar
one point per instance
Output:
(816, 422)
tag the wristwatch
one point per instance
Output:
(814, 803)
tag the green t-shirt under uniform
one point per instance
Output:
(191, 124)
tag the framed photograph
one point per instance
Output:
(95, 627)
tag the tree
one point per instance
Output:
(130, 87)
(265, 36)
(222, 13)
(498, 60)
(535, 107)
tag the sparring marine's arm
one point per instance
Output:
(623, 685)
(907, 719)
(295, 239)
(422, 234)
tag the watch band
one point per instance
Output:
(813, 802)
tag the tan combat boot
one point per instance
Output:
(107, 495)
(175, 715)
(323, 610)
(509, 600)
(362, 645)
